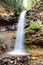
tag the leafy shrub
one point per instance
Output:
(34, 25)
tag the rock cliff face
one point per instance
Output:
(34, 14)
(8, 27)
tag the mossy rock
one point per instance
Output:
(28, 47)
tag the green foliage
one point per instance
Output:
(34, 25)
(30, 4)
(17, 5)
(30, 31)
(14, 4)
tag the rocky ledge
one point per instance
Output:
(21, 60)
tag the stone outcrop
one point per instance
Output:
(34, 14)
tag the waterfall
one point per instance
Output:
(19, 44)
(25, 2)
(20, 33)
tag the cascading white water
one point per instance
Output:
(25, 2)
(19, 46)
(20, 33)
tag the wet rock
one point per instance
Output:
(24, 61)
